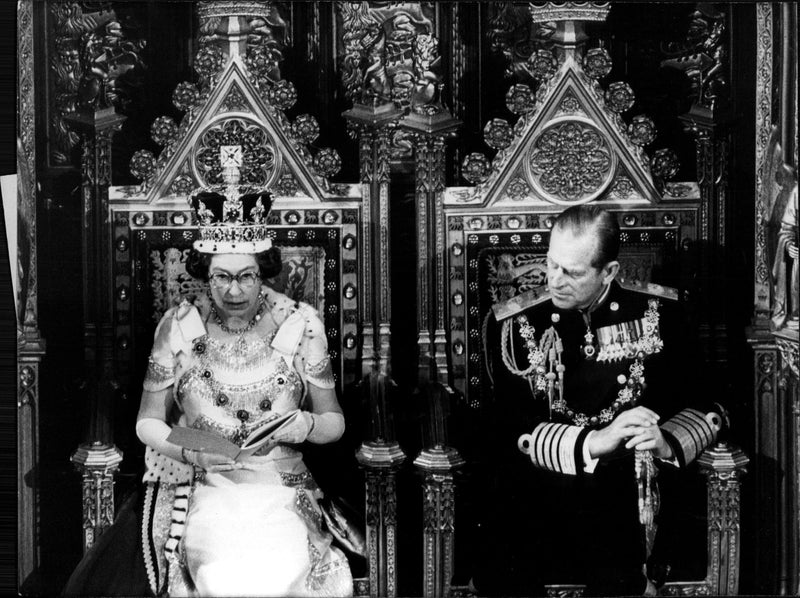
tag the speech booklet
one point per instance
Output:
(211, 442)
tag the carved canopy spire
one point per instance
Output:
(568, 18)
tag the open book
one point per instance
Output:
(212, 442)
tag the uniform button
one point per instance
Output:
(265, 405)
(614, 306)
(555, 318)
(207, 374)
(243, 415)
(200, 348)
(222, 399)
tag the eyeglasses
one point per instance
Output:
(223, 280)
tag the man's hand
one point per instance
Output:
(627, 425)
(650, 438)
(791, 249)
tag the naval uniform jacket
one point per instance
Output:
(578, 520)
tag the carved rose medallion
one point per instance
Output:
(570, 162)
(475, 168)
(258, 152)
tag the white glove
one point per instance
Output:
(319, 428)
(153, 432)
(297, 431)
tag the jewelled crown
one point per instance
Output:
(232, 217)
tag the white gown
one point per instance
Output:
(255, 531)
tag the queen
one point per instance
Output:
(232, 360)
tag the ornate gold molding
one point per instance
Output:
(686, 588)
(763, 86)
(569, 11)
(234, 8)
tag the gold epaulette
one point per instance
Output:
(521, 302)
(650, 288)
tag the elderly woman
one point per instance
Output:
(227, 363)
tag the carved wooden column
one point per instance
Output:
(371, 125)
(30, 344)
(381, 460)
(704, 63)
(789, 390)
(774, 339)
(431, 125)
(711, 148)
(723, 466)
(97, 462)
(97, 458)
(438, 464)
(770, 486)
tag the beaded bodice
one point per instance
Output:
(233, 386)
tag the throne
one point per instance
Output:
(570, 145)
(229, 121)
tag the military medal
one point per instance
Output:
(588, 344)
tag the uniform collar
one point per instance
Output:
(599, 300)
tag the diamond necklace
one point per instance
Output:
(249, 326)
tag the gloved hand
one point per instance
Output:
(210, 462)
(297, 431)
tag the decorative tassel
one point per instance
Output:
(649, 499)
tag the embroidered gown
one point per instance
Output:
(254, 531)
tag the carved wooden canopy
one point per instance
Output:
(568, 145)
(239, 102)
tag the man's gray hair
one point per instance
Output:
(589, 219)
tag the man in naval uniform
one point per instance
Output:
(592, 387)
